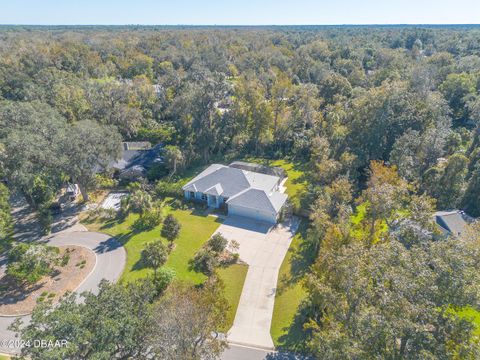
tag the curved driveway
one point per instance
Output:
(110, 262)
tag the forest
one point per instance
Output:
(384, 123)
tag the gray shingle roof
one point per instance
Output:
(245, 188)
(259, 200)
(145, 158)
(259, 168)
(453, 222)
(232, 181)
(215, 190)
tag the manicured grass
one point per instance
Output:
(296, 183)
(3, 357)
(233, 278)
(285, 330)
(196, 230)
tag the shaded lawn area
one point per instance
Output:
(286, 328)
(188, 174)
(360, 229)
(233, 278)
(196, 229)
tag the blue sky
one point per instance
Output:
(239, 12)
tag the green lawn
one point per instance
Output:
(472, 315)
(285, 330)
(196, 230)
(233, 278)
(296, 184)
(3, 357)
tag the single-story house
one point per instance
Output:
(136, 159)
(259, 168)
(452, 222)
(239, 192)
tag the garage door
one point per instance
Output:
(251, 213)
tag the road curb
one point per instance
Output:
(251, 346)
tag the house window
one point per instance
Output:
(204, 197)
(192, 195)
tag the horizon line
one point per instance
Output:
(252, 25)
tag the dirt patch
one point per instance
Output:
(15, 300)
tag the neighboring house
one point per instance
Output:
(136, 159)
(239, 192)
(72, 191)
(452, 222)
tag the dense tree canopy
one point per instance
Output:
(384, 285)
(127, 322)
(383, 121)
(406, 95)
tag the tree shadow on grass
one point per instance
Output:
(303, 178)
(139, 265)
(294, 340)
(199, 212)
(300, 260)
(110, 224)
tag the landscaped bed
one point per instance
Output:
(19, 300)
(197, 226)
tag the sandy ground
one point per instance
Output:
(20, 301)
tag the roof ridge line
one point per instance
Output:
(262, 191)
(238, 194)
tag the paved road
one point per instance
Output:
(110, 262)
(263, 249)
(238, 352)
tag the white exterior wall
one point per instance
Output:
(252, 213)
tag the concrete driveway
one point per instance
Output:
(263, 248)
(110, 261)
